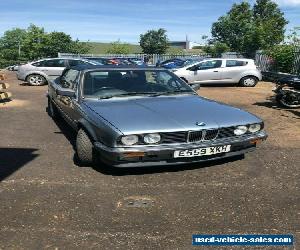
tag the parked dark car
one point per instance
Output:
(102, 60)
(171, 63)
(144, 116)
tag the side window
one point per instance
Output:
(210, 64)
(235, 63)
(70, 79)
(38, 64)
(54, 63)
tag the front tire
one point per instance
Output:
(248, 81)
(84, 148)
(36, 80)
(52, 109)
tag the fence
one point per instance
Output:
(153, 58)
(266, 63)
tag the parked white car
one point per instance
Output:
(40, 72)
(220, 70)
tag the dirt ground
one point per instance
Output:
(48, 202)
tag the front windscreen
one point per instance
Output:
(122, 83)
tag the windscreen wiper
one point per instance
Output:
(174, 92)
(127, 94)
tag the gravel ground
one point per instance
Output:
(47, 201)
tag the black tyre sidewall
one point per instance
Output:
(84, 148)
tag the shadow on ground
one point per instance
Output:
(269, 103)
(12, 159)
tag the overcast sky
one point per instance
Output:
(110, 20)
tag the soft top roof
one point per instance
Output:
(83, 67)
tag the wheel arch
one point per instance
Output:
(86, 126)
(36, 73)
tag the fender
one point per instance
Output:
(82, 123)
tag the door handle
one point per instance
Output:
(216, 71)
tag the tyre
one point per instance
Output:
(285, 102)
(248, 81)
(84, 148)
(36, 80)
(52, 109)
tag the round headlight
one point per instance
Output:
(254, 127)
(129, 140)
(240, 130)
(152, 138)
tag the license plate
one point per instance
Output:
(202, 151)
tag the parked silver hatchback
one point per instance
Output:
(40, 72)
(220, 70)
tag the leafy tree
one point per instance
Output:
(154, 41)
(34, 42)
(11, 42)
(118, 48)
(216, 49)
(246, 29)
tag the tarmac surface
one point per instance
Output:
(47, 201)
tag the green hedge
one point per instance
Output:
(6, 63)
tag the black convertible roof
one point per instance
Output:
(115, 67)
(83, 67)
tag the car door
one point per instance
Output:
(69, 105)
(207, 71)
(53, 67)
(233, 70)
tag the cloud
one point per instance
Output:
(288, 2)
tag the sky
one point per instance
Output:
(110, 20)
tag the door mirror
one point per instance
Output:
(65, 92)
(193, 68)
(195, 86)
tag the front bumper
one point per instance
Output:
(158, 155)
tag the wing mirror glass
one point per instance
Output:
(193, 68)
(66, 92)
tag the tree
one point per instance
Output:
(216, 49)
(154, 41)
(118, 48)
(10, 43)
(246, 29)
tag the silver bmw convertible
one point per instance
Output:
(144, 116)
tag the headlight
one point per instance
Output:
(129, 140)
(240, 130)
(254, 127)
(152, 138)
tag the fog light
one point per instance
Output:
(240, 130)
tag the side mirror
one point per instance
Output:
(193, 68)
(195, 86)
(65, 92)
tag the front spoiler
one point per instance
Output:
(158, 155)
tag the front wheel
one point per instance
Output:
(248, 81)
(84, 148)
(36, 80)
(52, 109)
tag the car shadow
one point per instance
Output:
(105, 169)
(213, 85)
(270, 103)
(12, 159)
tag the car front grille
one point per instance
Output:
(197, 136)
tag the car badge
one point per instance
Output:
(200, 124)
